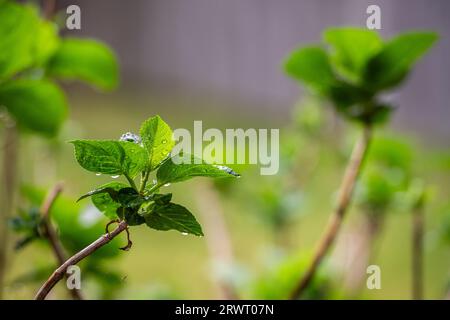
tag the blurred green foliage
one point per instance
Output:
(387, 174)
(77, 227)
(278, 281)
(358, 66)
(354, 70)
(33, 56)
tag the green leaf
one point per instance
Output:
(393, 63)
(118, 193)
(157, 138)
(103, 189)
(85, 60)
(393, 152)
(105, 202)
(312, 66)
(131, 216)
(161, 199)
(352, 49)
(39, 106)
(110, 157)
(170, 172)
(345, 95)
(47, 41)
(17, 38)
(129, 198)
(172, 217)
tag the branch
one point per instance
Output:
(50, 232)
(59, 273)
(345, 194)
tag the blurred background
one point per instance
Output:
(220, 61)
(227, 54)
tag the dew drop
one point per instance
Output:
(98, 174)
(115, 177)
(184, 233)
(130, 137)
(228, 170)
(167, 184)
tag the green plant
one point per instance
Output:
(32, 58)
(135, 204)
(352, 75)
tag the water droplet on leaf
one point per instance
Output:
(130, 137)
(115, 177)
(228, 170)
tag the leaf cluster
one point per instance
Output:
(146, 154)
(356, 67)
(33, 56)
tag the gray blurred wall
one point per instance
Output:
(234, 47)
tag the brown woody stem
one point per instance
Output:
(345, 194)
(59, 273)
(51, 234)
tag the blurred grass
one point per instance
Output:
(168, 264)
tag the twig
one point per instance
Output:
(345, 194)
(59, 273)
(50, 232)
(110, 223)
(129, 242)
(417, 254)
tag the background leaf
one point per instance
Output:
(110, 156)
(17, 23)
(157, 138)
(352, 49)
(392, 64)
(39, 106)
(47, 41)
(312, 66)
(85, 60)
